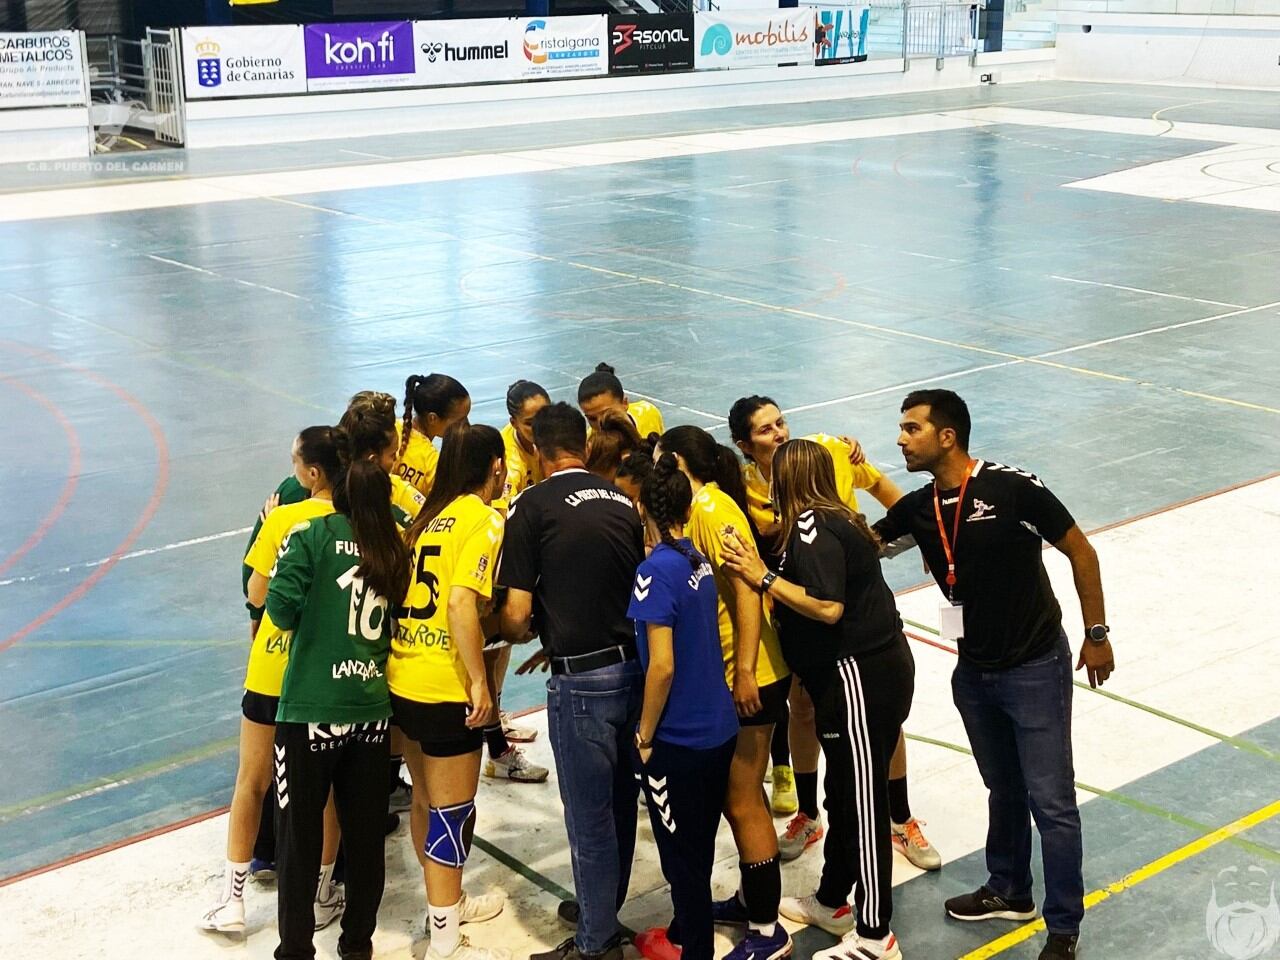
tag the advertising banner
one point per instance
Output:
(467, 51)
(243, 61)
(563, 46)
(841, 34)
(650, 44)
(41, 69)
(763, 38)
(359, 56)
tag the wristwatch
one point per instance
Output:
(767, 581)
(1097, 633)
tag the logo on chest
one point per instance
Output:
(981, 511)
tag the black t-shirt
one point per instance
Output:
(828, 557)
(1010, 613)
(574, 541)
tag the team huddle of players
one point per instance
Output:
(320, 777)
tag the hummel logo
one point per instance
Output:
(658, 784)
(438, 922)
(660, 799)
(809, 537)
(490, 535)
(642, 587)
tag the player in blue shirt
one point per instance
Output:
(688, 727)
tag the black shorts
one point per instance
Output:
(773, 704)
(439, 728)
(259, 708)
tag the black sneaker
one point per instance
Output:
(569, 951)
(356, 953)
(1059, 946)
(985, 904)
(568, 912)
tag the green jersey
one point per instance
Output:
(337, 670)
(289, 491)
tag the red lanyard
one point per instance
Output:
(949, 546)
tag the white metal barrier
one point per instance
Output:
(162, 72)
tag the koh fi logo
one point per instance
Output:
(1245, 927)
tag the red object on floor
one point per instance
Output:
(654, 945)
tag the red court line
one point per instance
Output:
(149, 511)
(73, 470)
(159, 831)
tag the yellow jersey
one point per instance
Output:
(406, 496)
(849, 479)
(459, 548)
(417, 465)
(522, 470)
(646, 417)
(269, 654)
(713, 512)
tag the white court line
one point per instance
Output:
(213, 273)
(1154, 293)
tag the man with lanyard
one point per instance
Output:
(980, 525)
(572, 546)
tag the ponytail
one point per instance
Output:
(365, 499)
(602, 380)
(435, 393)
(707, 461)
(410, 387)
(614, 438)
(666, 497)
(328, 449)
(520, 393)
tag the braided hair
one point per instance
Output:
(666, 497)
(435, 393)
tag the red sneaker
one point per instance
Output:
(654, 945)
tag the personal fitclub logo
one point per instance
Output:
(626, 35)
(1247, 926)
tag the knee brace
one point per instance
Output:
(449, 832)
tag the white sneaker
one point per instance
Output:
(480, 907)
(515, 733)
(837, 921)
(225, 917)
(801, 833)
(910, 841)
(465, 951)
(854, 947)
(330, 910)
(514, 765)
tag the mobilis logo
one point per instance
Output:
(773, 36)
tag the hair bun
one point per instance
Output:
(666, 465)
(604, 368)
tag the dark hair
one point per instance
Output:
(466, 455)
(614, 438)
(708, 461)
(364, 497)
(328, 449)
(637, 464)
(436, 393)
(804, 478)
(370, 422)
(666, 497)
(740, 414)
(946, 409)
(522, 391)
(559, 428)
(601, 381)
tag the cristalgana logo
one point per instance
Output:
(1248, 925)
(540, 45)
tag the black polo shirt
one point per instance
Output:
(574, 541)
(1010, 612)
(828, 557)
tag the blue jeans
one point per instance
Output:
(591, 719)
(1019, 725)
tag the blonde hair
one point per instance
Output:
(804, 478)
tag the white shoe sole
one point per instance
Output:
(997, 915)
(838, 952)
(822, 923)
(230, 929)
(494, 773)
(932, 861)
(482, 917)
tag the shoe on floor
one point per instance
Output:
(654, 945)
(479, 907)
(514, 765)
(854, 947)
(393, 824)
(802, 832)
(910, 841)
(760, 946)
(985, 904)
(569, 912)
(837, 921)
(729, 912)
(465, 951)
(330, 909)
(262, 871)
(516, 734)
(782, 798)
(225, 917)
(401, 798)
(359, 953)
(1059, 946)
(568, 950)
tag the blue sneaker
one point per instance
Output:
(731, 912)
(760, 946)
(262, 871)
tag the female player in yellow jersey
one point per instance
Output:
(320, 456)
(524, 399)
(758, 678)
(440, 694)
(759, 428)
(601, 391)
(611, 442)
(432, 404)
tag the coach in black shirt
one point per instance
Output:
(572, 546)
(981, 526)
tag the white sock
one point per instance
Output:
(324, 889)
(236, 875)
(764, 929)
(444, 928)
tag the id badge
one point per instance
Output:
(951, 621)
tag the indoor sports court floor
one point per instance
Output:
(1095, 268)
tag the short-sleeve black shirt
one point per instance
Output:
(1010, 612)
(574, 541)
(827, 556)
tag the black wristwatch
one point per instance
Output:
(767, 581)
(1097, 633)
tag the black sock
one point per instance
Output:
(807, 793)
(780, 749)
(496, 741)
(899, 807)
(761, 891)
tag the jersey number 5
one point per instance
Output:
(367, 614)
(427, 579)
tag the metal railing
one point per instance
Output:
(917, 29)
